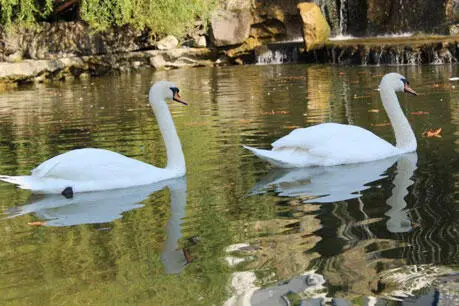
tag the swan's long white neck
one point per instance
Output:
(404, 136)
(175, 158)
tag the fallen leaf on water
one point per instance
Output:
(432, 133)
(419, 113)
(244, 121)
(374, 110)
(37, 223)
(293, 126)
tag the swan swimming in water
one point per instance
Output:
(91, 169)
(330, 144)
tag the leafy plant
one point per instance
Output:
(161, 16)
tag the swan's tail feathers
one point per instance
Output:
(24, 182)
(275, 158)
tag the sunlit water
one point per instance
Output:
(379, 230)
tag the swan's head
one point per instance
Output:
(397, 82)
(163, 90)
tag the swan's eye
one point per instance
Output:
(405, 81)
(175, 90)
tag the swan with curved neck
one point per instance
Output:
(91, 169)
(330, 144)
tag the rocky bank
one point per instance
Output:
(241, 32)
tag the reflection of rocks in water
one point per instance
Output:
(307, 288)
(434, 211)
(354, 242)
(408, 287)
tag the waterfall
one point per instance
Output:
(343, 17)
(271, 57)
(277, 54)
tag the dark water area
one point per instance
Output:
(377, 231)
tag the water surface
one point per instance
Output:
(354, 225)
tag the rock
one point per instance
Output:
(223, 60)
(200, 42)
(454, 29)
(69, 67)
(237, 4)
(157, 61)
(15, 57)
(66, 39)
(316, 30)
(452, 10)
(230, 27)
(167, 43)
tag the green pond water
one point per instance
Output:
(356, 226)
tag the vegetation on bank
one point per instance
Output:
(161, 16)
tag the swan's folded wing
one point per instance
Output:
(317, 135)
(337, 143)
(91, 164)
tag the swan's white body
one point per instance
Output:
(330, 144)
(92, 169)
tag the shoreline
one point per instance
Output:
(358, 51)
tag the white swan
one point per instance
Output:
(90, 169)
(331, 144)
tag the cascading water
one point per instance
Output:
(271, 57)
(343, 17)
(276, 54)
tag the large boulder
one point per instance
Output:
(316, 30)
(230, 27)
(66, 39)
(167, 43)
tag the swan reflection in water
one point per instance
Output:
(103, 206)
(340, 183)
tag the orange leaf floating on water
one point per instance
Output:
(293, 127)
(341, 73)
(419, 113)
(374, 110)
(432, 133)
(36, 223)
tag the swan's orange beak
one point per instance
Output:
(409, 90)
(178, 99)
